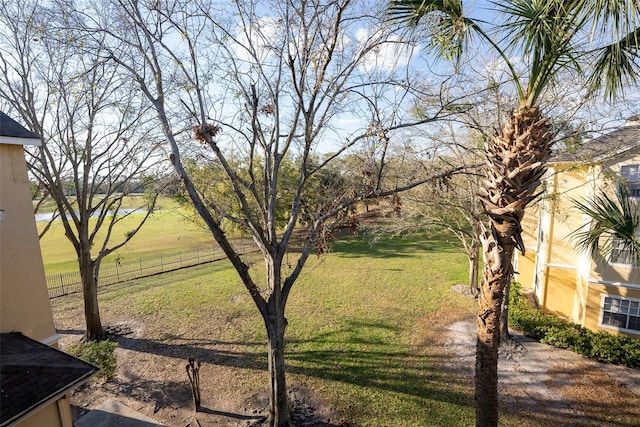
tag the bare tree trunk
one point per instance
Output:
(279, 414)
(276, 323)
(473, 272)
(498, 249)
(88, 273)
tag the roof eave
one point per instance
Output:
(13, 140)
(595, 159)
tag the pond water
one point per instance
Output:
(49, 215)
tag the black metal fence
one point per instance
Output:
(60, 284)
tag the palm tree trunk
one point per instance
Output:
(497, 273)
(514, 169)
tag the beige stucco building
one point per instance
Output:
(25, 301)
(599, 294)
(35, 376)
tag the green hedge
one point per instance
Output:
(100, 354)
(601, 346)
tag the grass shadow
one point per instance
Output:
(233, 415)
(369, 359)
(203, 350)
(356, 354)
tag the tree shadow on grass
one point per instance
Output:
(233, 415)
(70, 331)
(162, 393)
(353, 354)
(206, 351)
(367, 359)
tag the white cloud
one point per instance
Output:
(257, 39)
(386, 54)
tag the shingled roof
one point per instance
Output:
(12, 132)
(610, 145)
(33, 374)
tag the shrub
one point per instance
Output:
(98, 353)
(618, 349)
(600, 346)
(569, 336)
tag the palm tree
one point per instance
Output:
(597, 38)
(613, 229)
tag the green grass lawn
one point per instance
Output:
(364, 332)
(365, 329)
(167, 231)
(363, 319)
(356, 333)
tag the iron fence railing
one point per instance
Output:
(60, 284)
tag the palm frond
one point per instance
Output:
(447, 27)
(448, 31)
(543, 32)
(413, 11)
(616, 65)
(618, 15)
(614, 225)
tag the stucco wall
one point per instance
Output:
(48, 416)
(525, 267)
(600, 277)
(24, 299)
(571, 284)
(525, 264)
(561, 286)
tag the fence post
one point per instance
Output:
(62, 284)
(117, 271)
(161, 264)
(140, 263)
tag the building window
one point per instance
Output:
(621, 313)
(621, 252)
(631, 175)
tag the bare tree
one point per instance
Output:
(452, 203)
(96, 145)
(270, 85)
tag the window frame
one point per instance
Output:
(617, 249)
(632, 310)
(633, 186)
(635, 195)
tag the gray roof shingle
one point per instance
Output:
(610, 145)
(11, 128)
(32, 374)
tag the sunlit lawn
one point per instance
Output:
(168, 230)
(361, 326)
(362, 319)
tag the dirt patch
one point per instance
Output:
(551, 386)
(155, 384)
